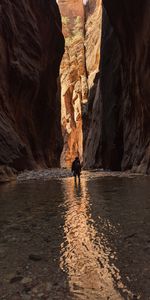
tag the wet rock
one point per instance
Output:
(7, 174)
(35, 257)
(48, 286)
(40, 295)
(26, 280)
(26, 297)
(44, 174)
(27, 290)
(3, 253)
(16, 279)
(130, 236)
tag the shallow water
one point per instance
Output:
(61, 240)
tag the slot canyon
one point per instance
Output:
(103, 116)
(74, 82)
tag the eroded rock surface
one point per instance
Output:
(104, 142)
(7, 174)
(92, 45)
(81, 27)
(122, 139)
(73, 80)
(93, 11)
(31, 44)
(131, 21)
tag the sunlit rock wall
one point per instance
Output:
(93, 28)
(31, 47)
(81, 27)
(73, 80)
(93, 12)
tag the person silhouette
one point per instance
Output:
(76, 168)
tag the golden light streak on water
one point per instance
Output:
(85, 254)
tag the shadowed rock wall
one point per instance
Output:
(120, 137)
(31, 45)
(131, 22)
(104, 139)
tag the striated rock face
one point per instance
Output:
(73, 80)
(31, 50)
(92, 45)
(122, 139)
(104, 143)
(93, 11)
(81, 27)
(131, 22)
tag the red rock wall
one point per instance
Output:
(31, 50)
(104, 143)
(131, 22)
(93, 28)
(122, 138)
(73, 80)
(81, 27)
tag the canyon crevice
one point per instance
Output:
(32, 46)
(104, 112)
(81, 28)
(73, 80)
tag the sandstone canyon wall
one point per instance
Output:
(131, 22)
(32, 46)
(93, 28)
(103, 147)
(73, 80)
(81, 28)
(93, 13)
(119, 135)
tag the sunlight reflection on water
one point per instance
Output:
(85, 254)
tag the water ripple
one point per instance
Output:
(85, 254)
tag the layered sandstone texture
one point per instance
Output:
(123, 129)
(93, 27)
(81, 28)
(93, 12)
(131, 22)
(73, 80)
(32, 45)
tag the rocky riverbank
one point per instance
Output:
(47, 174)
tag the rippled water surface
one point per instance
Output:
(61, 240)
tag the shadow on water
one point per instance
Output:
(87, 241)
(31, 231)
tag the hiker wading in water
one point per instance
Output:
(76, 168)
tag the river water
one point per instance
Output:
(88, 241)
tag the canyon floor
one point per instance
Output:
(61, 240)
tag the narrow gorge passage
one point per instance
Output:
(87, 241)
(81, 25)
(105, 86)
(74, 81)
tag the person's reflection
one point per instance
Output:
(78, 189)
(83, 256)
